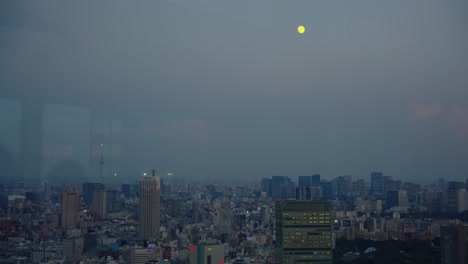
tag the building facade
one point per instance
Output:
(69, 209)
(149, 210)
(303, 232)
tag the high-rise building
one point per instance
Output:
(327, 189)
(303, 231)
(282, 187)
(304, 181)
(149, 211)
(266, 186)
(453, 244)
(69, 209)
(377, 183)
(88, 190)
(195, 211)
(315, 180)
(453, 196)
(99, 206)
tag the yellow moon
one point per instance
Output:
(301, 29)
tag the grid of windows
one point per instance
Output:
(303, 232)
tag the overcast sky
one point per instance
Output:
(229, 89)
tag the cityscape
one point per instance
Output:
(169, 219)
(234, 131)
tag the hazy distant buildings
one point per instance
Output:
(149, 209)
(99, 206)
(282, 187)
(397, 199)
(327, 189)
(126, 190)
(69, 209)
(88, 190)
(315, 180)
(266, 186)
(303, 231)
(304, 181)
(377, 183)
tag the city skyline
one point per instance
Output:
(229, 89)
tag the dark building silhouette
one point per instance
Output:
(452, 196)
(392, 199)
(282, 187)
(88, 190)
(327, 189)
(304, 181)
(315, 180)
(377, 183)
(266, 186)
(453, 244)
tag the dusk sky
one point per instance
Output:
(227, 89)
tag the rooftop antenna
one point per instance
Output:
(101, 164)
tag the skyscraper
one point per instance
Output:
(149, 213)
(99, 205)
(303, 231)
(266, 186)
(304, 181)
(69, 209)
(315, 180)
(88, 189)
(453, 244)
(377, 183)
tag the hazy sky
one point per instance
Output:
(229, 89)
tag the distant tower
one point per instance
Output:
(149, 213)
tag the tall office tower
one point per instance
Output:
(315, 180)
(99, 205)
(343, 185)
(303, 232)
(88, 189)
(452, 196)
(376, 183)
(282, 187)
(69, 209)
(327, 189)
(304, 181)
(266, 186)
(453, 244)
(149, 214)
(195, 211)
(392, 199)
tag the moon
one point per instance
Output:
(301, 29)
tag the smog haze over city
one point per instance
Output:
(228, 90)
